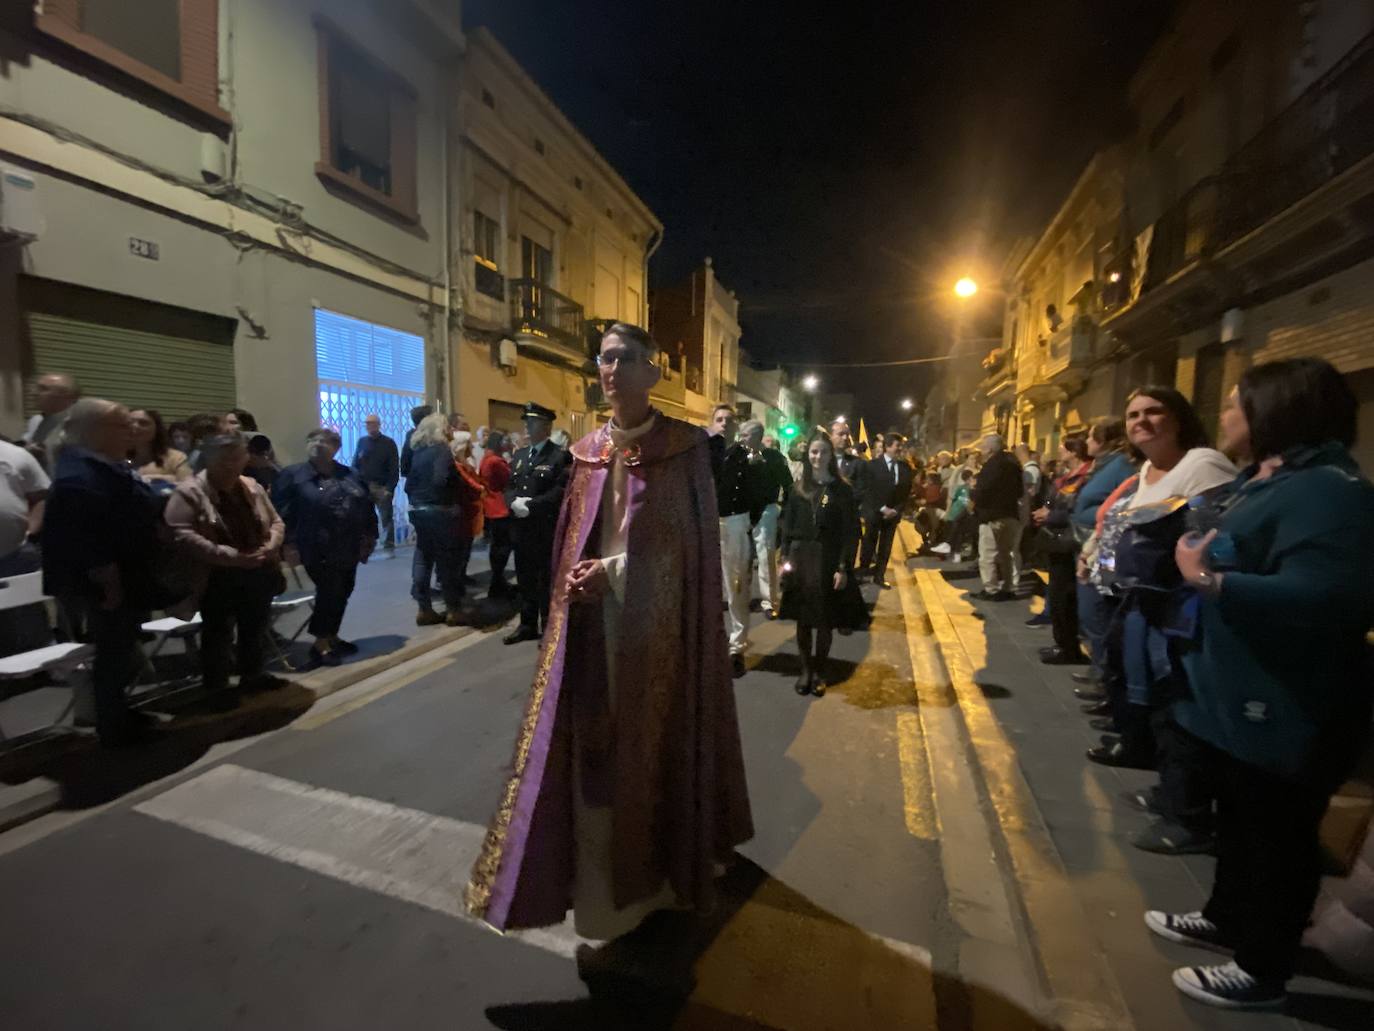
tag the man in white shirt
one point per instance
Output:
(54, 393)
(23, 491)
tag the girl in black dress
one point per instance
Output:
(820, 532)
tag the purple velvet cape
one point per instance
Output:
(669, 762)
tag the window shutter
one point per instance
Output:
(200, 49)
(404, 144)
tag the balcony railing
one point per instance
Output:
(539, 310)
(1323, 133)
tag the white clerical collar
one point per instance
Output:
(621, 437)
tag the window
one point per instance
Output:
(1209, 368)
(171, 46)
(486, 239)
(363, 369)
(536, 262)
(368, 126)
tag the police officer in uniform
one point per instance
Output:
(539, 475)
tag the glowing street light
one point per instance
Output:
(840, 418)
(810, 382)
(966, 287)
(907, 404)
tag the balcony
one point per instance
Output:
(999, 374)
(549, 322)
(670, 392)
(1290, 199)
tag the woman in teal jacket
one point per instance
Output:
(1279, 671)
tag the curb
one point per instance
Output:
(1079, 985)
(25, 802)
(324, 682)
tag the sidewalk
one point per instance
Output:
(1083, 887)
(380, 619)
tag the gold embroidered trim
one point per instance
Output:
(477, 897)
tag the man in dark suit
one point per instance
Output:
(539, 475)
(889, 489)
(853, 466)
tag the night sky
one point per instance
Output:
(843, 163)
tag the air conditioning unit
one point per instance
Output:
(21, 218)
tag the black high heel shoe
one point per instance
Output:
(818, 686)
(803, 684)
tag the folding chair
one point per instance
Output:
(292, 601)
(15, 592)
(163, 630)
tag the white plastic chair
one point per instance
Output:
(290, 602)
(16, 592)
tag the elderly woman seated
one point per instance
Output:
(225, 524)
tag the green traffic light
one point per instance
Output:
(789, 431)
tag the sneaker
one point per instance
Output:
(940, 549)
(1091, 677)
(1187, 929)
(1229, 987)
(1145, 801)
(1166, 838)
(1039, 619)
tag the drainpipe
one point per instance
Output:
(653, 247)
(447, 396)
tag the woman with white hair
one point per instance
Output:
(435, 487)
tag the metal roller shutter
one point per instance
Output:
(187, 367)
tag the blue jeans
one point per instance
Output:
(1094, 615)
(439, 547)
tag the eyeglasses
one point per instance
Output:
(612, 359)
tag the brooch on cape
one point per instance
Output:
(629, 455)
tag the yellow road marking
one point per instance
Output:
(916, 791)
(320, 719)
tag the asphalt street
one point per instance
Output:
(310, 876)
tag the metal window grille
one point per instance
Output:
(365, 369)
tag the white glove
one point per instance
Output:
(520, 508)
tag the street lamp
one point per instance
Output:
(966, 287)
(810, 383)
(907, 404)
(840, 418)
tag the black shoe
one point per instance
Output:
(320, 658)
(984, 596)
(1089, 694)
(1039, 619)
(1229, 987)
(1187, 929)
(1004, 596)
(1060, 657)
(345, 647)
(1088, 677)
(737, 668)
(1105, 723)
(1146, 801)
(521, 633)
(1166, 838)
(803, 684)
(1102, 708)
(1121, 755)
(428, 617)
(818, 687)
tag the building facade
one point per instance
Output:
(696, 322)
(229, 204)
(769, 395)
(1234, 227)
(554, 246)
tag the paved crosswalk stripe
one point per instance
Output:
(404, 853)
